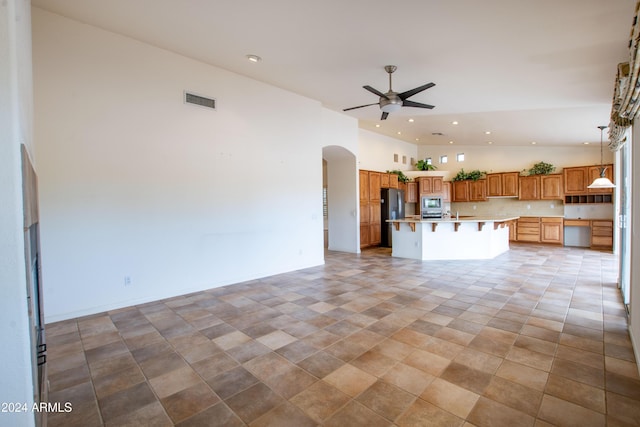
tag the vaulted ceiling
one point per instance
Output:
(524, 70)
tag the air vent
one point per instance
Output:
(191, 98)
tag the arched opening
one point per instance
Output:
(340, 193)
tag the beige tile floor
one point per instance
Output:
(536, 337)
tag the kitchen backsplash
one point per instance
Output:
(511, 206)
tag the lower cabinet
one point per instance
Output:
(528, 229)
(552, 230)
(540, 230)
(602, 234)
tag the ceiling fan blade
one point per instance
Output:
(384, 116)
(407, 103)
(360, 106)
(410, 93)
(375, 91)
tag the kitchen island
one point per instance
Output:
(471, 237)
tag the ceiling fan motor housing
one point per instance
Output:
(390, 104)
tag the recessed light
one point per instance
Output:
(450, 142)
(488, 132)
(489, 142)
(378, 125)
(399, 133)
(533, 143)
(410, 120)
(454, 122)
(253, 58)
(417, 139)
(585, 143)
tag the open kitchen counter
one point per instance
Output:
(467, 237)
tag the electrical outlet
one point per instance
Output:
(127, 280)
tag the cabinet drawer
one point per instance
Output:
(529, 219)
(602, 231)
(552, 220)
(577, 223)
(596, 223)
(528, 237)
(601, 241)
(525, 229)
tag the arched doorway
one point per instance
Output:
(340, 191)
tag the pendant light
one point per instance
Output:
(602, 181)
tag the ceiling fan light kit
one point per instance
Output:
(602, 181)
(392, 101)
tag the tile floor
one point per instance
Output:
(535, 337)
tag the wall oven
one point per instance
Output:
(431, 207)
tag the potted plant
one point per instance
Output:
(474, 175)
(424, 165)
(541, 168)
(401, 176)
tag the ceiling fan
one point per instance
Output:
(392, 101)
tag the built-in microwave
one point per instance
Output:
(431, 207)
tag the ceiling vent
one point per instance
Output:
(191, 98)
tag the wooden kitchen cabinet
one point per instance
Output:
(577, 179)
(375, 184)
(364, 185)
(478, 190)
(469, 191)
(602, 234)
(529, 187)
(430, 185)
(375, 227)
(384, 180)
(551, 187)
(528, 229)
(460, 191)
(446, 191)
(411, 195)
(552, 230)
(503, 184)
(393, 181)
(540, 187)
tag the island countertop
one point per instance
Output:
(465, 237)
(465, 218)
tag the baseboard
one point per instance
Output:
(636, 348)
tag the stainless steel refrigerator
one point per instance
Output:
(392, 205)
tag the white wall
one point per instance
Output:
(492, 158)
(16, 378)
(376, 152)
(177, 197)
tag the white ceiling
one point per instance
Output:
(526, 70)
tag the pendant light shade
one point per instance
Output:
(602, 181)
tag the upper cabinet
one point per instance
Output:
(375, 184)
(577, 179)
(529, 188)
(540, 187)
(446, 191)
(502, 184)
(469, 191)
(411, 194)
(551, 187)
(364, 185)
(430, 185)
(393, 181)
